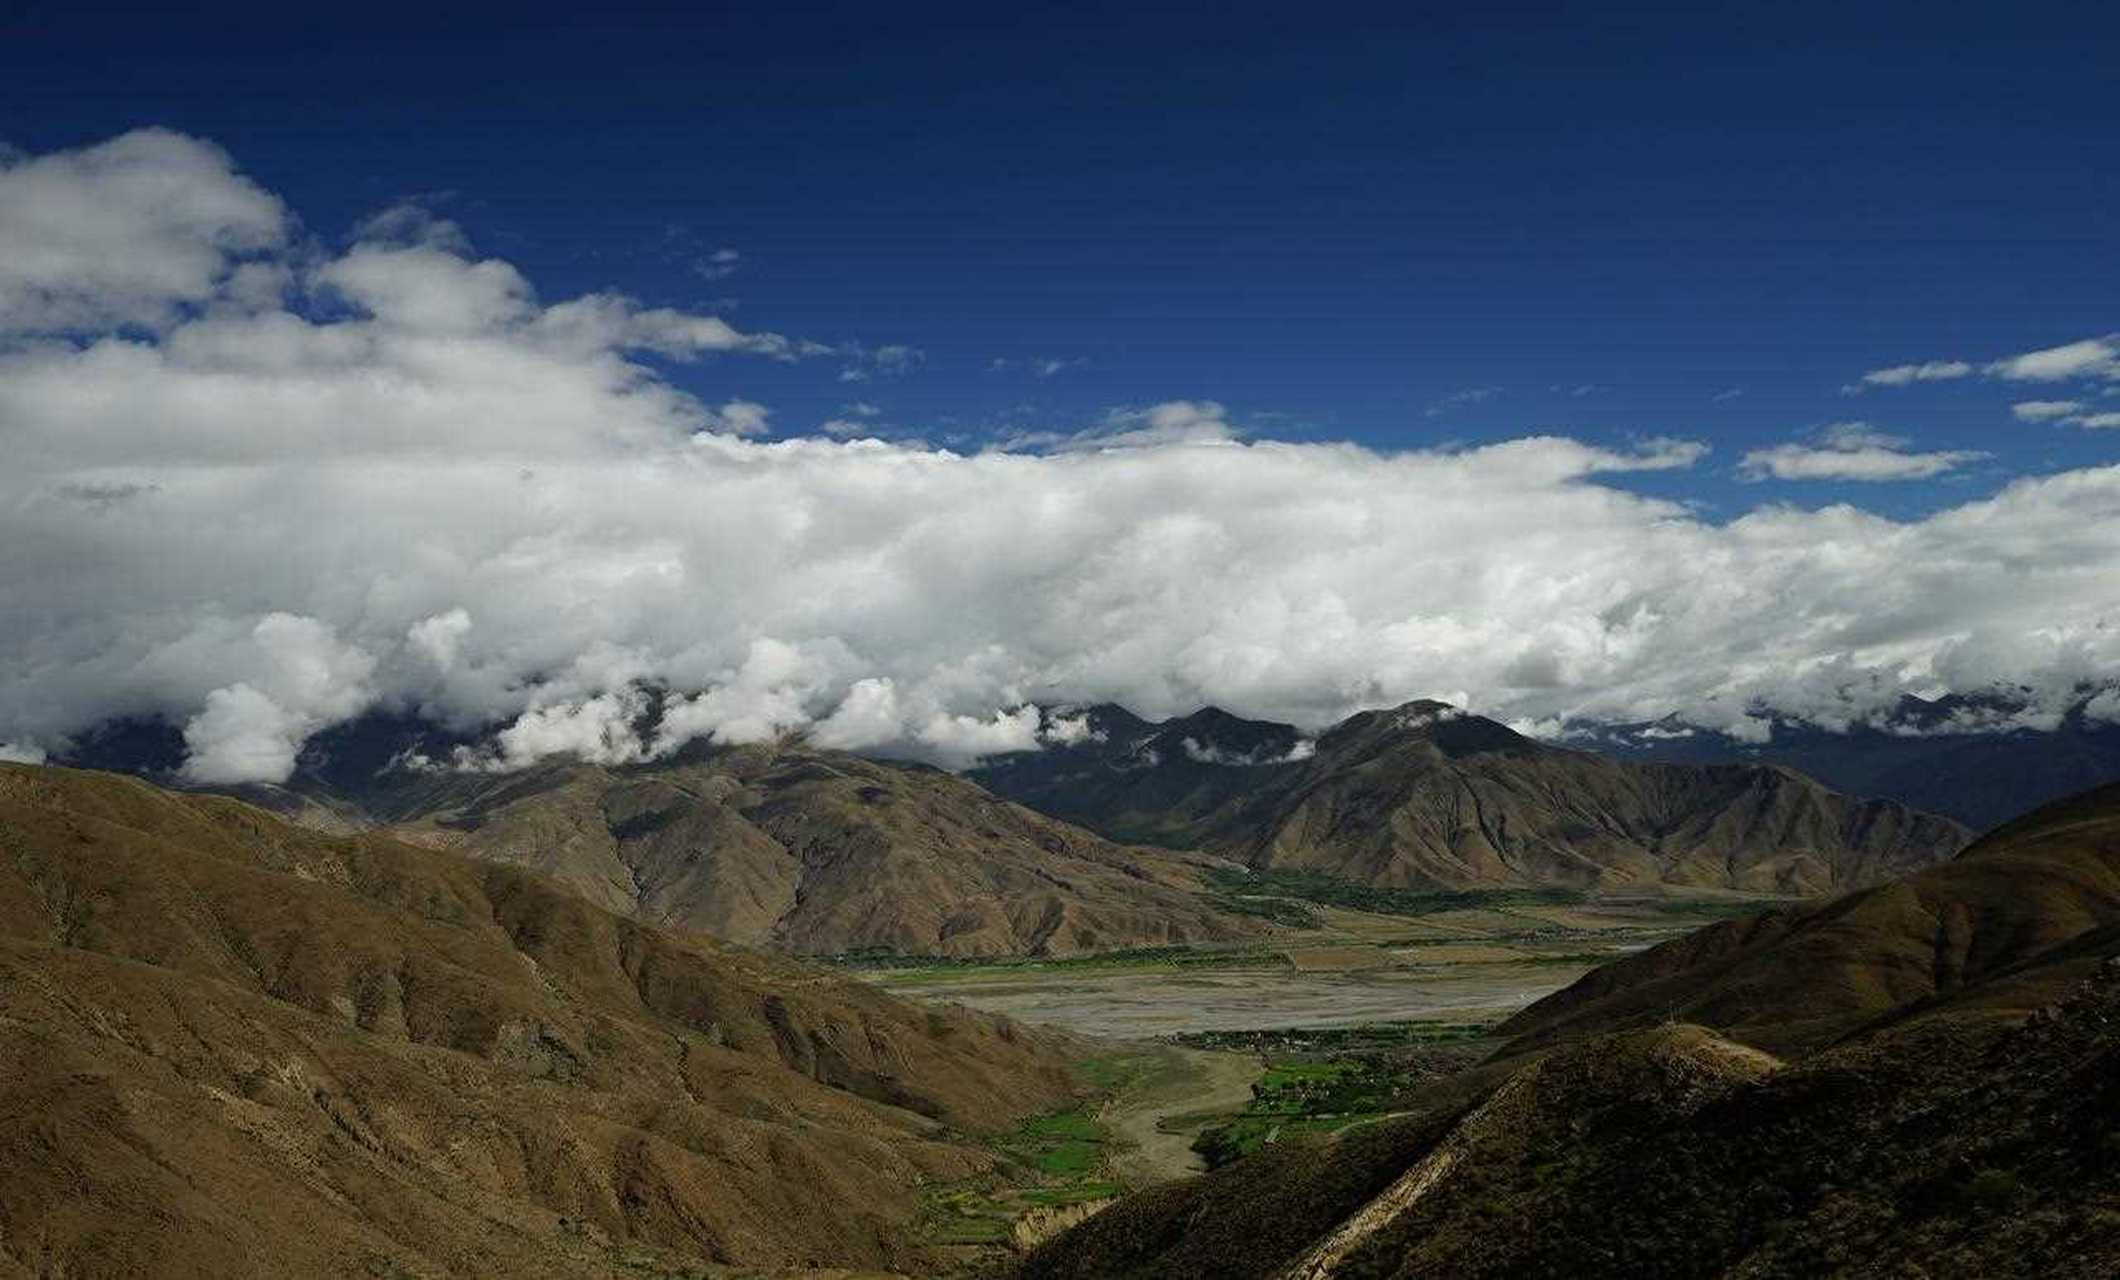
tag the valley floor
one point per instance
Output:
(1477, 962)
(1221, 1049)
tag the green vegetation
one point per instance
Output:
(1333, 891)
(1063, 1144)
(1048, 1162)
(1311, 1097)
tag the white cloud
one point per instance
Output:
(125, 233)
(1851, 451)
(2086, 359)
(2098, 421)
(961, 739)
(21, 753)
(2046, 410)
(1208, 753)
(1070, 730)
(441, 637)
(459, 499)
(599, 730)
(740, 418)
(2090, 358)
(1901, 375)
(300, 679)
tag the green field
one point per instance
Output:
(1049, 1161)
(1314, 1097)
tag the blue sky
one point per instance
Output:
(1403, 228)
(880, 371)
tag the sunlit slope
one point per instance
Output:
(236, 1047)
(2004, 927)
(817, 852)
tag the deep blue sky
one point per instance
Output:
(1331, 220)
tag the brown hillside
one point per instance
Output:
(237, 1048)
(2015, 919)
(1427, 796)
(1951, 1148)
(1423, 795)
(817, 852)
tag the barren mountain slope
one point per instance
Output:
(2013, 920)
(235, 1047)
(820, 852)
(1423, 795)
(1948, 1148)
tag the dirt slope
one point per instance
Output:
(233, 1047)
(1951, 1148)
(1424, 795)
(816, 852)
(2004, 927)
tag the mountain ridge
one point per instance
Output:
(238, 1047)
(1427, 795)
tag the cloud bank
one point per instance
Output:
(259, 487)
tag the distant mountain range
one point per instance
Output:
(1427, 795)
(1114, 833)
(1972, 757)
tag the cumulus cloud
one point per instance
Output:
(125, 233)
(392, 476)
(1070, 730)
(299, 679)
(740, 418)
(1851, 451)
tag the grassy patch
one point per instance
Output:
(1049, 1161)
(1314, 1096)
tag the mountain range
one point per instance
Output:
(1981, 758)
(1427, 795)
(1106, 839)
(241, 1046)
